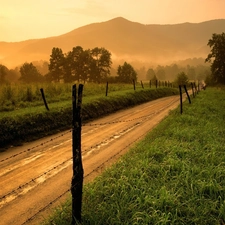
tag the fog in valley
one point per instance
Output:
(159, 47)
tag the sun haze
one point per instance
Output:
(30, 19)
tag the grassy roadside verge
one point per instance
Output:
(31, 123)
(176, 175)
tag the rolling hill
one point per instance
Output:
(126, 40)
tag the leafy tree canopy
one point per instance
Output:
(100, 64)
(73, 66)
(181, 79)
(79, 64)
(160, 72)
(217, 57)
(126, 73)
(57, 61)
(3, 72)
(150, 74)
(30, 74)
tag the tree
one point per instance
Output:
(150, 74)
(57, 61)
(100, 64)
(126, 73)
(30, 74)
(80, 63)
(77, 65)
(191, 73)
(13, 75)
(217, 57)
(160, 72)
(209, 80)
(3, 72)
(42, 66)
(68, 67)
(181, 79)
(171, 71)
(86, 60)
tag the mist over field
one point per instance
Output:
(126, 40)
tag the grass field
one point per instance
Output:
(176, 175)
(19, 96)
(22, 120)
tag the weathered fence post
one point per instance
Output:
(181, 102)
(192, 87)
(107, 86)
(43, 97)
(134, 84)
(77, 179)
(189, 99)
(142, 84)
(196, 91)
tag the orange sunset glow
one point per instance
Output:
(29, 19)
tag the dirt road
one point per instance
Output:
(36, 176)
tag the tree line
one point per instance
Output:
(39, 72)
(94, 65)
(169, 72)
(77, 65)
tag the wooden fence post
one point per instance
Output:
(107, 86)
(189, 99)
(134, 84)
(181, 102)
(192, 87)
(43, 97)
(196, 91)
(142, 84)
(77, 179)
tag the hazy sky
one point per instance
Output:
(27, 19)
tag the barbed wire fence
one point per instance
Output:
(75, 184)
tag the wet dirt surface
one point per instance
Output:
(36, 176)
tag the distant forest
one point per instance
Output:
(195, 68)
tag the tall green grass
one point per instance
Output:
(176, 175)
(16, 96)
(31, 121)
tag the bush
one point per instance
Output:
(36, 124)
(181, 79)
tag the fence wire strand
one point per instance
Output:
(90, 173)
(141, 119)
(86, 124)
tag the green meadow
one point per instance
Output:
(23, 116)
(175, 175)
(19, 96)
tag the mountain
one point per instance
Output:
(126, 40)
